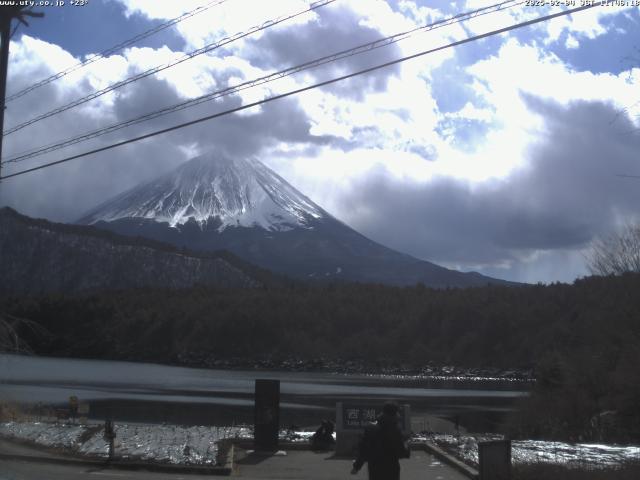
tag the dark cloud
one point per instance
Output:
(38, 102)
(566, 194)
(235, 134)
(336, 28)
(65, 192)
(62, 192)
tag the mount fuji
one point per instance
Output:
(214, 202)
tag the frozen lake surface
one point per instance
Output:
(156, 393)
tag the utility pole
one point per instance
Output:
(5, 18)
(7, 14)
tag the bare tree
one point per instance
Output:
(10, 341)
(617, 253)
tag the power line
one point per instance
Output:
(115, 48)
(7, 15)
(366, 47)
(304, 89)
(160, 68)
(265, 79)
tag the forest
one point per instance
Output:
(582, 341)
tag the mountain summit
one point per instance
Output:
(212, 203)
(238, 193)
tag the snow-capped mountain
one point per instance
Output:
(213, 203)
(242, 192)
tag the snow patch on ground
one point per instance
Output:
(158, 443)
(198, 445)
(537, 451)
(65, 436)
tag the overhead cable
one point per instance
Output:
(363, 48)
(114, 49)
(303, 89)
(160, 68)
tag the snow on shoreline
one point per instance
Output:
(158, 443)
(198, 445)
(588, 455)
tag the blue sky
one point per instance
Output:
(95, 27)
(498, 156)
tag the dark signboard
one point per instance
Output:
(358, 416)
(267, 414)
(494, 460)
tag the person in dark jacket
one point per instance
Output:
(382, 446)
(323, 438)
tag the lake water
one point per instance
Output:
(159, 393)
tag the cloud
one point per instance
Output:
(591, 23)
(332, 30)
(223, 19)
(565, 194)
(64, 192)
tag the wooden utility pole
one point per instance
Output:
(7, 15)
(5, 18)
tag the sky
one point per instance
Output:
(501, 156)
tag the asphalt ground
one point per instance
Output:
(306, 464)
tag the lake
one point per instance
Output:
(160, 393)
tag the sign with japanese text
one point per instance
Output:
(357, 417)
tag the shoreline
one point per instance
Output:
(427, 371)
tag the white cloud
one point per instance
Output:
(572, 42)
(377, 14)
(159, 10)
(221, 20)
(471, 112)
(524, 68)
(584, 24)
(421, 15)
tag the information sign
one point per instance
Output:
(358, 416)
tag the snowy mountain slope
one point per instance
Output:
(212, 203)
(234, 192)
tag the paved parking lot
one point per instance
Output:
(308, 465)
